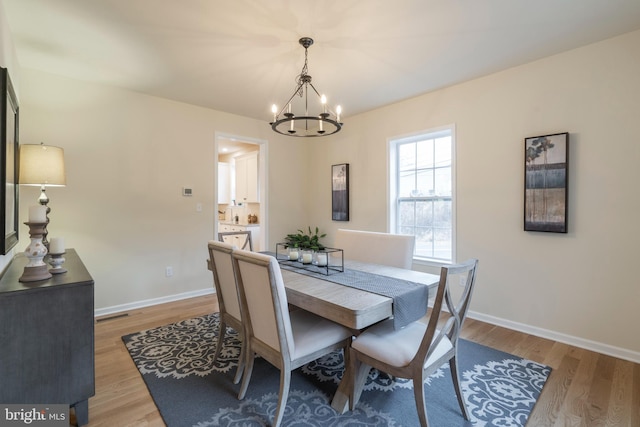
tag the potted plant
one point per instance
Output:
(305, 240)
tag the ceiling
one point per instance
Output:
(241, 56)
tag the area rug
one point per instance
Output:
(175, 362)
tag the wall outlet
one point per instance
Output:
(168, 271)
(463, 280)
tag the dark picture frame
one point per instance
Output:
(9, 120)
(546, 182)
(340, 192)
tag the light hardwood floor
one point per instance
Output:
(584, 389)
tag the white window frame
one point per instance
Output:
(392, 195)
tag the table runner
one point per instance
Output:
(409, 298)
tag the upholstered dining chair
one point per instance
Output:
(394, 250)
(239, 239)
(419, 349)
(287, 340)
(224, 281)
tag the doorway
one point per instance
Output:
(228, 147)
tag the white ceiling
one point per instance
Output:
(241, 56)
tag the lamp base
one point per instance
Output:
(34, 274)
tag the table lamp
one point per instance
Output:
(42, 165)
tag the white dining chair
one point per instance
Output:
(239, 239)
(419, 349)
(224, 281)
(287, 340)
(394, 250)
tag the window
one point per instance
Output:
(421, 191)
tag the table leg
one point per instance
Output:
(355, 375)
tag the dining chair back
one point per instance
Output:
(224, 282)
(287, 340)
(419, 349)
(239, 239)
(395, 250)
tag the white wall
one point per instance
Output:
(128, 156)
(579, 287)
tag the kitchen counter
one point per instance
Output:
(242, 224)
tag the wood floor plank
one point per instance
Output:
(585, 388)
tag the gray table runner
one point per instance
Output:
(409, 298)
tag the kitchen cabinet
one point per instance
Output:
(247, 178)
(224, 183)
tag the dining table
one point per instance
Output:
(352, 307)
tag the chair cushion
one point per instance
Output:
(397, 348)
(312, 333)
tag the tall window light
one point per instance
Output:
(421, 192)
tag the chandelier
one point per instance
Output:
(315, 119)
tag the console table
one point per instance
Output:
(47, 337)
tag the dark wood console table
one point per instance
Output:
(47, 337)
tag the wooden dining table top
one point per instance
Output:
(351, 307)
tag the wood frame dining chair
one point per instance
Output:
(419, 349)
(394, 250)
(224, 282)
(239, 239)
(287, 340)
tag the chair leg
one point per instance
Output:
(248, 369)
(418, 393)
(453, 366)
(241, 362)
(221, 333)
(285, 381)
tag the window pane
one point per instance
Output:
(407, 156)
(424, 185)
(424, 242)
(443, 181)
(406, 183)
(424, 154)
(406, 214)
(423, 205)
(443, 151)
(442, 213)
(424, 214)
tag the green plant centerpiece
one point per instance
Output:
(305, 240)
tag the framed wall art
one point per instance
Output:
(340, 192)
(546, 182)
(9, 163)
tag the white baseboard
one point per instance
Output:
(609, 350)
(621, 353)
(149, 302)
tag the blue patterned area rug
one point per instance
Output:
(190, 390)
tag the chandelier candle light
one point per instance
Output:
(306, 124)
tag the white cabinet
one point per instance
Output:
(247, 178)
(253, 228)
(224, 183)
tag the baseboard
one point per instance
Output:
(149, 302)
(609, 350)
(621, 353)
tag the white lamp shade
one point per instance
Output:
(42, 165)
